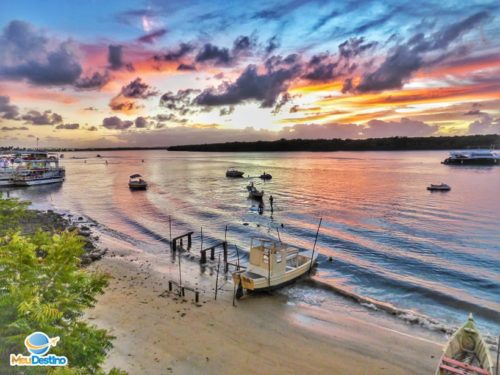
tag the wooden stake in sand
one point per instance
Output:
(314, 247)
(217, 278)
(498, 354)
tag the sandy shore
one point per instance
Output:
(160, 333)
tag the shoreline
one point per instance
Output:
(159, 333)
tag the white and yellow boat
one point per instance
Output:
(466, 353)
(272, 264)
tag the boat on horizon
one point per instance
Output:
(137, 183)
(37, 168)
(439, 187)
(466, 353)
(272, 264)
(473, 157)
(234, 173)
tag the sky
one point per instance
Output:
(157, 73)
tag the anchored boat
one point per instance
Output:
(265, 176)
(440, 187)
(37, 168)
(473, 157)
(466, 353)
(272, 264)
(233, 173)
(137, 183)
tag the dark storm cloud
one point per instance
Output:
(116, 123)
(138, 89)
(272, 44)
(322, 68)
(7, 110)
(179, 102)
(242, 43)
(151, 37)
(252, 85)
(115, 58)
(73, 126)
(214, 54)
(141, 122)
(186, 67)
(45, 118)
(174, 55)
(407, 58)
(354, 47)
(95, 81)
(27, 54)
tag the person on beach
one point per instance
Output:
(271, 200)
(261, 208)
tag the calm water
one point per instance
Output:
(390, 239)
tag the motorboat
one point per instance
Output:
(137, 183)
(272, 264)
(466, 353)
(234, 173)
(37, 168)
(440, 187)
(473, 157)
(265, 176)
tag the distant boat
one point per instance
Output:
(473, 157)
(466, 353)
(265, 176)
(272, 264)
(137, 183)
(440, 187)
(233, 173)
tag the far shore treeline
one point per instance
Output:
(335, 144)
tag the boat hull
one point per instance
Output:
(40, 181)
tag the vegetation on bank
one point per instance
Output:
(43, 288)
(371, 144)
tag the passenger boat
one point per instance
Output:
(473, 157)
(37, 168)
(440, 187)
(8, 166)
(466, 353)
(265, 176)
(137, 183)
(272, 264)
(233, 173)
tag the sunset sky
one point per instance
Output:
(153, 73)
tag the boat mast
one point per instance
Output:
(314, 246)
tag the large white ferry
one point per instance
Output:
(36, 168)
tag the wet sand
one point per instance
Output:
(159, 333)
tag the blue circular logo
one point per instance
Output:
(37, 343)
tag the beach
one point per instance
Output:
(158, 332)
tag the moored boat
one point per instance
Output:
(37, 168)
(439, 187)
(234, 173)
(466, 353)
(137, 183)
(272, 264)
(265, 176)
(473, 157)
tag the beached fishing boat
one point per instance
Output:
(233, 173)
(466, 353)
(272, 264)
(37, 168)
(137, 183)
(440, 187)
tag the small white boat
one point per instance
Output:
(466, 353)
(233, 173)
(440, 187)
(137, 183)
(272, 264)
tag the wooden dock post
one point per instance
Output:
(189, 240)
(169, 285)
(196, 296)
(217, 279)
(203, 259)
(314, 246)
(224, 247)
(212, 253)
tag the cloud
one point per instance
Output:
(354, 47)
(13, 128)
(122, 105)
(214, 54)
(91, 108)
(186, 67)
(226, 111)
(141, 122)
(115, 58)
(138, 89)
(7, 110)
(45, 118)
(174, 55)
(474, 112)
(485, 125)
(151, 37)
(405, 59)
(95, 81)
(272, 44)
(27, 54)
(180, 102)
(73, 126)
(116, 123)
(92, 128)
(264, 88)
(404, 128)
